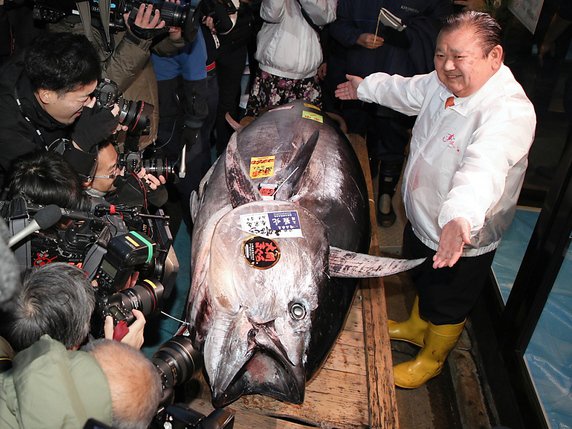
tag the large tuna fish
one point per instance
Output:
(271, 285)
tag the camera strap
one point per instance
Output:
(38, 132)
(84, 10)
(85, 16)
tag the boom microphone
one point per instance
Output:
(9, 272)
(43, 219)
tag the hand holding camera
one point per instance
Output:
(95, 125)
(128, 334)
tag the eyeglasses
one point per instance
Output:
(117, 172)
(108, 176)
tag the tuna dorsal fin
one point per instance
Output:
(240, 187)
(288, 178)
(344, 263)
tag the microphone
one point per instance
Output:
(43, 219)
(9, 272)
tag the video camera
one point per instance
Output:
(174, 15)
(111, 244)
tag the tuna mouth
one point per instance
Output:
(264, 369)
(265, 375)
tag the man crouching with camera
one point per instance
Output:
(50, 313)
(118, 183)
(46, 96)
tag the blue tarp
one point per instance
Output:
(549, 353)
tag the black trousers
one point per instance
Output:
(446, 295)
(229, 68)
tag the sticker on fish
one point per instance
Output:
(267, 190)
(261, 252)
(282, 224)
(262, 166)
(313, 116)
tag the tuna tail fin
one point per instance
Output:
(344, 263)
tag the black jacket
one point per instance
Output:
(19, 136)
(405, 53)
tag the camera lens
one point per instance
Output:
(176, 360)
(145, 297)
(173, 14)
(158, 167)
(135, 115)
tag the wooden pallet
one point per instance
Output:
(354, 388)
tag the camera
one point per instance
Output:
(177, 361)
(145, 296)
(133, 114)
(173, 14)
(133, 161)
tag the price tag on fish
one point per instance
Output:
(262, 166)
(283, 224)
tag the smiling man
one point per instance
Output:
(467, 160)
(46, 95)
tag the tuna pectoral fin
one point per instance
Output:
(344, 263)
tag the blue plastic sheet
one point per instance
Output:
(549, 353)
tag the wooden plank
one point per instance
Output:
(381, 388)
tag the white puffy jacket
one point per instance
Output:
(287, 46)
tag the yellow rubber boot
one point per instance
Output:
(412, 330)
(439, 341)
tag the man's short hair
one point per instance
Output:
(55, 299)
(47, 178)
(61, 62)
(486, 28)
(134, 383)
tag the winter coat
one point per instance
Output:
(51, 387)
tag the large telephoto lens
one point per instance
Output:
(176, 360)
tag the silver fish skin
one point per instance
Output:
(266, 327)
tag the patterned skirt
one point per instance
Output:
(269, 90)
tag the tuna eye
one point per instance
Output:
(297, 311)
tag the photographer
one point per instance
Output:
(47, 178)
(57, 299)
(118, 186)
(123, 45)
(50, 386)
(47, 96)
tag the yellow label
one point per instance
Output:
(262, 166)
(313, 116)
(133, 242)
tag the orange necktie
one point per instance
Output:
(449, 102)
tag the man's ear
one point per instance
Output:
(46, 96)
(496, 56)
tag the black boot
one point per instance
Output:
(388, 177)
(385, 214)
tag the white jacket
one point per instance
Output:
(465, 161)
(286, 44)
